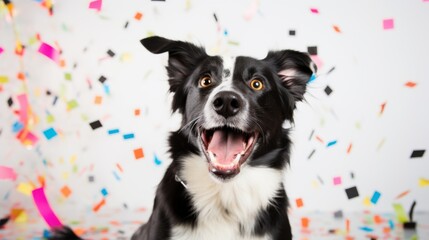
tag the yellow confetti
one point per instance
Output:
(25, 188)
(423, 182)
(22, 217)
(4, 79)
(367, 201)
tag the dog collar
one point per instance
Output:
(177, 178)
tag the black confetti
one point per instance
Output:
(417, 153)
(352, 192)
(126, 24)
(10, 102)
(102, 79)
(328, 90)
(311, 154)
(312, 50)
(96, 124)
(110, 53)
(292, 32)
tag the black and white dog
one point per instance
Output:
(229, 156)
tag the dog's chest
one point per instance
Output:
(226, 210)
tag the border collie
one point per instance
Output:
(230, 153)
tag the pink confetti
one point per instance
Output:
(314, 10)
(23, 112)
(388, 24)
(49, 52)
(96, 4)
(1, 50)
(7, 173)
(337, 181)
(45, 209)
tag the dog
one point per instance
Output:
(229, 156)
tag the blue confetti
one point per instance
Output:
(128, 136)
(375, 197)
(113, 131)
(331, 143)
(50, 133)
(366, 229)
(391, 224)
(157, 161)
(116, 176)
(17, 126)
(104, 192)
(106, 89)
(312, 78)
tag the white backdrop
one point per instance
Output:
(372, 66)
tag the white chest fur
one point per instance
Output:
(226, 210)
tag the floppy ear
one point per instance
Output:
(294, 70)
(183, 58)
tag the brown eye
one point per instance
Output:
(256, 84)
(205, 81)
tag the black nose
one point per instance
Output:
(227, 103)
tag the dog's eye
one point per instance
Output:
(256, 84)
(205, 81)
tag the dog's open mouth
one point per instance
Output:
(226, 149)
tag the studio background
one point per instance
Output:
(363, 123)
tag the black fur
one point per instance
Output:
(268, 109)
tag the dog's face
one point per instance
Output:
(233, 108)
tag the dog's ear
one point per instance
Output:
(183, 58)
(294, 70)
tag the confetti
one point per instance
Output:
(98, 100)
(337, 181)
(314, 10)
(375, 197)
(99, 205)
(336, 29)
(96, 4)
(50, 133)
(113, 131)
(331, 143)
(104, 192)
(1, 50)
(423, 182)
(417, 153)
(366, 229)
(292, 32)
(311, 154)
(388, 24)
(305, 222)
(403, 194)
(68, 76)
(4, 79)
(299, 203)
(410, 84)
(312, 50)
(45, 209)
(72, 104)
(157, 161)
(96, 124)
(50, 52)
(382, 107)
(102, 79)
(7, 173)
(349, 149)
(400, 213)
(128, 136)
(66, 191)
(352, 192)
(138, 153)
(138, 16)
(328, 90)
(110, 53)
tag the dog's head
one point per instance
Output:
(233, 108)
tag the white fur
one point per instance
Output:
(243, 197)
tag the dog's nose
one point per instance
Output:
(227, 103)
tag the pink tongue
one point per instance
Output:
(226, 145)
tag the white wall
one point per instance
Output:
(371, 64)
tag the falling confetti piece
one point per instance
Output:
(423, 182)
(7, 173)
(50, 133)
(349, 149)
(96, 124)
(388, 24)
(99, 205)
(4, 79)
(113, 131)
(305, 222)
(128, 136)
(72, 104)
(66, 191)
(104, 192)
(400, 213)
(50, 52)
(382, 107)
(157, 161)
(410, 84)
(138, 16)
(312, 50)
(292, 32)
(314, 10)
(45, 209)
(366, 229)
(1, 50)
(352, 192)
(403, 194)
(336, 29)
(375, 197)
(138, 153)
(337, 180)
(417, 153)
(299, 203)
(96, 4)
(331, 143)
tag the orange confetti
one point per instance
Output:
(99, 205)
(403, 194)
(349, 149)
(386, 230)
(305, 222)
(120, 167)
(337, 29)
(21, 76)
(299, 202)
(98, 99)
(347, 225)
(138, 153)
(383, 106)
(138, 16)
(136, 112)
(410, 84)
(41, 180)
(378, 219)
(66, 191)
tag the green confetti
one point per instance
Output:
(400, 213)
(68, 76)
(72, 104)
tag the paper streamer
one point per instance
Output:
(49, 52)
(7, 173)
(45, 209)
